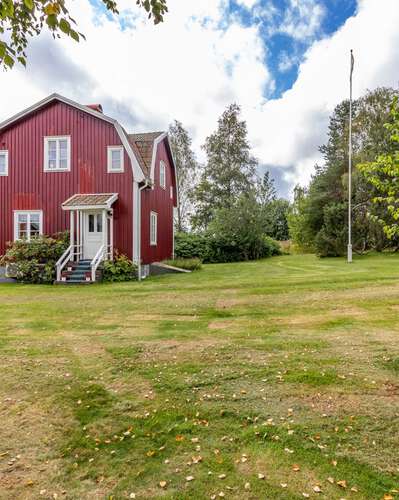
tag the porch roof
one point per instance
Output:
(90, 201)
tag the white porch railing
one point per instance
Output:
(63, 260)
(99, 257)
(69, 255)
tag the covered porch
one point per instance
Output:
(91, 231)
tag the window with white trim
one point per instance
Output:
(27, 225)
(171, 192)
(57, 154)
(4, 162)
(162, 174)
(115, 159)
(153, 228)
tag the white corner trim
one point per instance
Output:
(121, 169)
(157, 141)
(136, 222)
(4, 152)
(137, 172)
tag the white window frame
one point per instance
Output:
(153, 228)
(111, 170)
(28, 213)
(5, 153)
(162, 174)
(57, 138)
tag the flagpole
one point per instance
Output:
(350, 168)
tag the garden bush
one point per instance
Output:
(220, 247)
(119, 269)
(34, 261)
(191, 245)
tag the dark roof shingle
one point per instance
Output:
(143, 145)
(90, 200)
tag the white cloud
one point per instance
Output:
(247, 3)
(199, 61)
(302, 19)
(286, 61)
(291, 128)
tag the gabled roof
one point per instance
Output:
(141, 148)
(144, 148)
(96, 200)
(138, 173)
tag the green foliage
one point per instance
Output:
(276, 219)
(229, 171)
(34, 261)
(235, 234)
(331, 240)
(119, 269)
(191, 245)
(27, 18)
(383, 175)
(193, 264)
(301, 233)
(187, 169)
(318, 219)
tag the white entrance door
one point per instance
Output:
(93, 237)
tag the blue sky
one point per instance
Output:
(281, 45)
(286, 62)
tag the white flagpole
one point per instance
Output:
(350, 167)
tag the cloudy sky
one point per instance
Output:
(285, 61)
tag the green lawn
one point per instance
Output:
(273, 380)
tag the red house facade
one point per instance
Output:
(65, 166)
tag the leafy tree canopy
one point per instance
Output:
(318, 220)
(383, 175)
(230, 169)
(188, 172)
(22, 19)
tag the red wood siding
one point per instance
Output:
(27, 186)
(158, 200)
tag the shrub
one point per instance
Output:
(34, 261)
(191, 245)
(120, 269)
(331, 240)
(235, 234)
(190, 264)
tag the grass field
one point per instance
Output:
(273, 380)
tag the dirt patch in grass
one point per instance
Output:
(169, 349)
(27, 442)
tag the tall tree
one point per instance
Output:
(22, 19)
(383, 175)
(320, 217)
(266, 189)
(230, 168)
(187, 171)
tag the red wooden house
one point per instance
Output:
(65, 166)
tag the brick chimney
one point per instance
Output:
(95, 107)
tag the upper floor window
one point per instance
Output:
(115, 159)
(27, 225)
(57, 154)
(162, 175)
(153, 228)
(3, 162)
